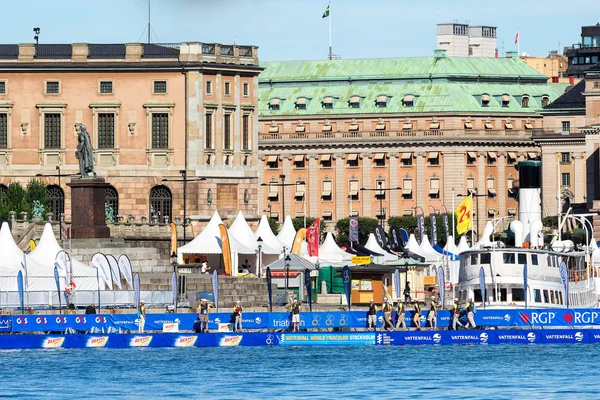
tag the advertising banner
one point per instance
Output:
(226, 249)
(125, 268)
(269, 288)
(114, 270)
(433, 220)
(441, 284)
(395, 238)
(308, 286)
(420, 225)
(353, 229)
(446, 226)
(298, 239)
(397, 283)
(174, 289)
(21, 291)
(380, 236)
(100, 261)
(215, 286)
(482, 286)
(347, 278)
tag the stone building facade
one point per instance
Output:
(154, 112)
(433, 129)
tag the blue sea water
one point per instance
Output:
(432, 372)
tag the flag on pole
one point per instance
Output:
(516, 36)
(298, 239)
(312, 238)
(353, 230)
(327, 11)
(225, 247)
(464, 215)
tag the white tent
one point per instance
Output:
(287, 233)
(11, 261)
(374, 246)
(208, 242)
(413, 246)
(266, 234)
(450, 246)
(331, 254)
(45, 253)
(428, 250)
(462, 245)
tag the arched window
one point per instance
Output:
(160, 202)
(56, 201)
(112, 199)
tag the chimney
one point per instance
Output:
(26, 52)
(439, 53)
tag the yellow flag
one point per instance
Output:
(31, 244)
(464, 215)
(297, 246)
(225, 247)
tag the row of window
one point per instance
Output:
(227, 88)
(209, 120)
(383, 101)
(104, 87)
(584, 60)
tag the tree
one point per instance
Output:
(13, 200)
(366, 225)
(274, 225)
(409, 223)
(36, 190)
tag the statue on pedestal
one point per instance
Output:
(84, 153)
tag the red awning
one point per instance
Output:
(281, 274)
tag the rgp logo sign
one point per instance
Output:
(585, 317)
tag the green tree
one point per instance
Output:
(36, 190)
(550, 221)
(366, 225)
(274, 225)
(409, 223)
(13, 200)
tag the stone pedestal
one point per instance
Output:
(87, 208)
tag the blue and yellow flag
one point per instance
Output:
(326, 13)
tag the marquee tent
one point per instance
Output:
(462, 245)
(331, 254)
(287, 233)
(374, 246)
(266, 234)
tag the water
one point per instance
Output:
(470, 372)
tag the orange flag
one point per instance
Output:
(173, 238)
(297, 246)
(226, 249)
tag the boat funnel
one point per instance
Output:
(517, 228)
(530, 208)
(536, 236)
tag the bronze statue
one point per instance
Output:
(84, 153)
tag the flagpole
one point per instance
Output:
(330, 48)
(518, 45)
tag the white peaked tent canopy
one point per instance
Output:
(11, 259)
(45, 253)
(462, 245)
(450, 246)
(209, 241)
(266, 234)
(242, 232)
(428, 250)
(287, 233)
(413, 246)
(331, 254)
(375, 247)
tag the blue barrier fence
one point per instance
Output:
(538, 336)
(530, 318)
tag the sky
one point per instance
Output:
(295, 29)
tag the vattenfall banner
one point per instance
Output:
(353, 235)
(564, 279)
(125, 267)
(308, 286)
(446, 225)
(226, 249)
(525, 282)
(100, 261)
(395, 238)
(482, 285)
(114, 270)
(433, 238)
(441, 283)
(21, 292)
(380, 236)
(57, 281)
(397, 283)
(420, 226)
(404, 235)
(215, 285)
(136, 289)
(347, 278)
(298, 239)
(269, 289)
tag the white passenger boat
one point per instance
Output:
(503, 266)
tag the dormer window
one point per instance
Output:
(327, 103)
(525, 101)
(485, 100)
(505, 100)
(408, 100)
(381, 101)
(274, 104)
(301, 103)
(354, 102)
(545, 101)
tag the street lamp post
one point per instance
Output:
(381, 191)
(282, 185)
(287, 272)
(269, 206)
(259, 241)
(174, 263)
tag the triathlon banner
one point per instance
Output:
(114, 270)
(113, 323)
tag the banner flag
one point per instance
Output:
(312, 238)
(525, 283)
(173, 239)
(446, 225)
(269, 290)
(420, 226)
(125, 268)
(347, 278)
(298, 239)
(564, 279)
(395, 238)
(482, 285)
(21, 294)
(397, 283)
(57, 281)
(380, 236)
(433, 238)
(24, 265)
(226, 249)
(100, 261)
(327, 11)
(308, 286)
(353, 230)
(464, 216)
(404, 235)
(136, 289)
(174, 289)
(441, 284)
(215, 285)
(114, 270)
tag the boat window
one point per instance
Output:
(503, 293)
(537, 295)
(477, 295)
(549, 260)
(518, 295)
(552, 296)
(546, 297)
(485, 258)
(522, 258)
(560, 298)
(509, 258)
(474, 259)
(534, 259)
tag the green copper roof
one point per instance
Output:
(399, 68)
(460, 90)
